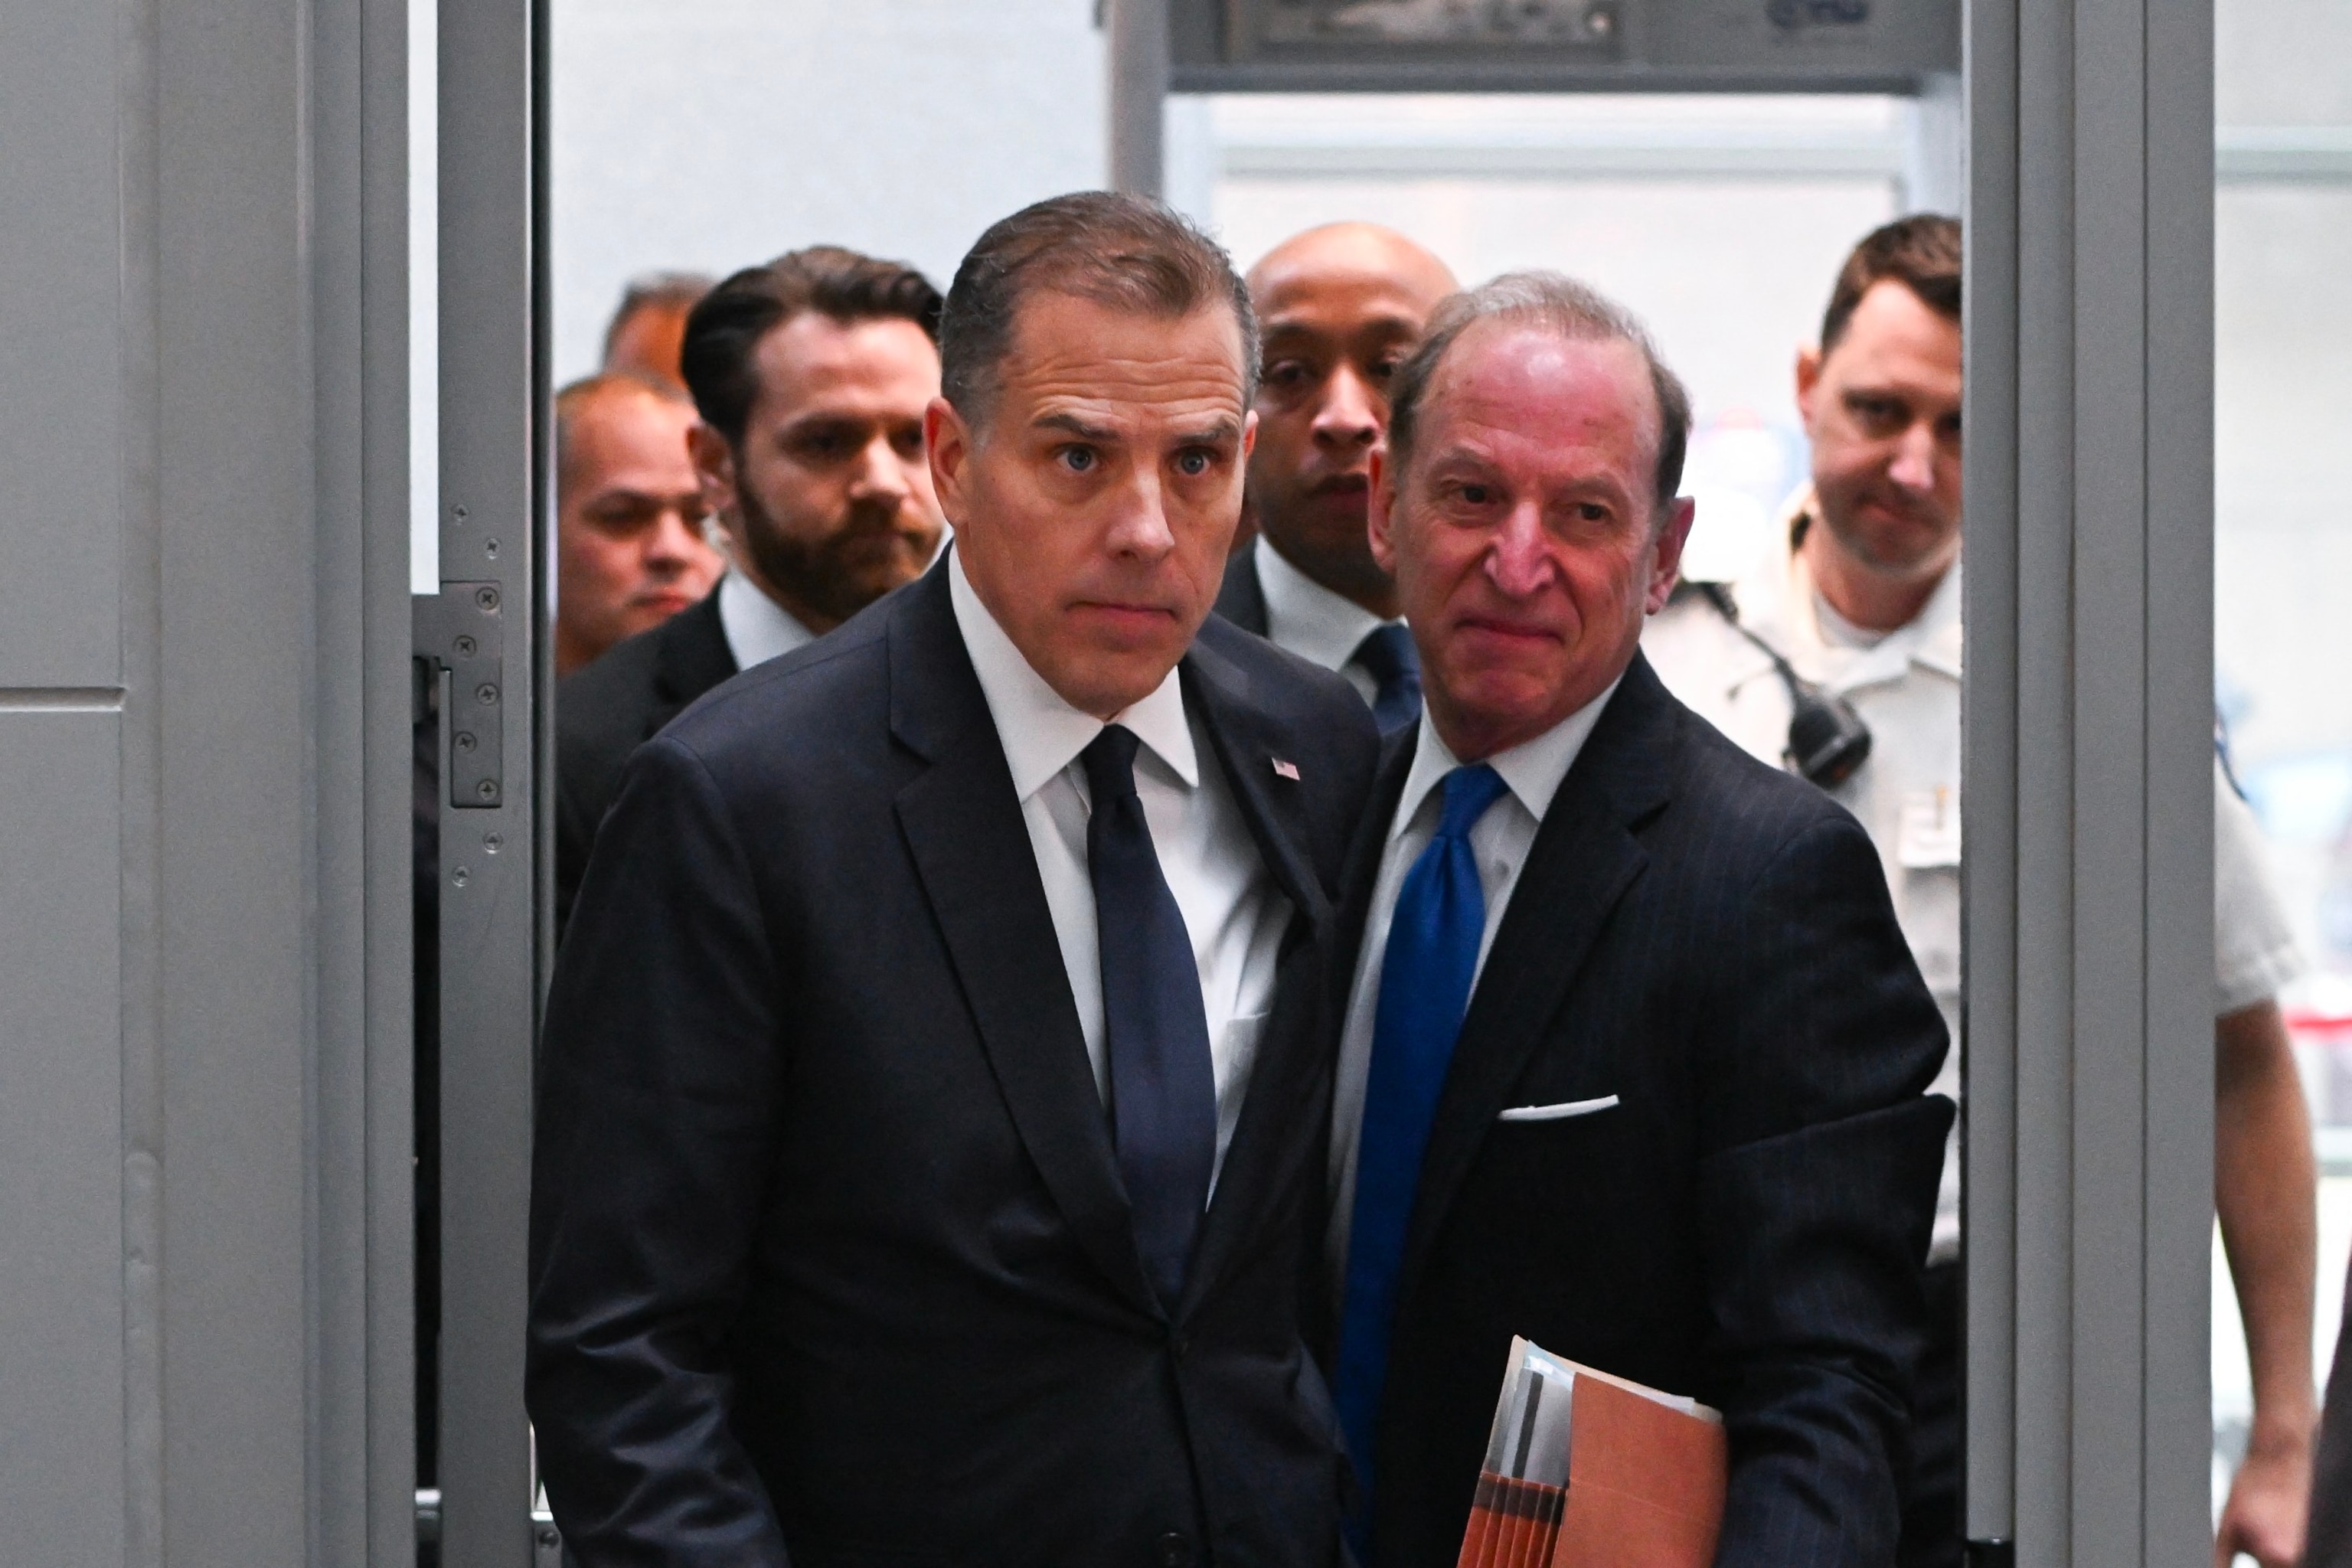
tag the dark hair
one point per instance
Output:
(575, 399)
(724, 332)
(1117, 251)
(1921, 252)
(1551, 303)
(655, 290)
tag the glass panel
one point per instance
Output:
(2282, 553)
(710, 135)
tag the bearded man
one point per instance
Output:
(810, 374)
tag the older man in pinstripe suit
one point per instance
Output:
(1635, 1058)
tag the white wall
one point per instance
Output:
(710, 134)
(1719, 220)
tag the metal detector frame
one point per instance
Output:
(2089, 203)
(2088, 719)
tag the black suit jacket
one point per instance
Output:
(612, 705)
(1710, 941)
(830, 1253)
(1241, 598)
(2330, 1542)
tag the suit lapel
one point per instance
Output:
(694, 657)
(1583, 858)
(1268, 1139)
(1241, 599)
(971, 846)
(1249, 745)
(1361, 878)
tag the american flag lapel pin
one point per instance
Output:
(1282, 770)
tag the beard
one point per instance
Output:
(868, 551)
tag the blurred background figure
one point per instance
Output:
(1853, 613)
(812, 375)
(649, 328)
(1339, 308)
(629, 546)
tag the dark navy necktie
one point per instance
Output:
(1388, 656)
(1426, 972)
(1163, 1092)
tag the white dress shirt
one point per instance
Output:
(1233, 910)
(1531, 773)
(1304, 617)
(758, 628)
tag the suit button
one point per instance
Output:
(1175, 1551)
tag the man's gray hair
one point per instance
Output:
(1550, 302)
(1126, 255)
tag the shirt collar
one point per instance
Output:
(1533, 769)
(758, 628)
(1778, 601)
(1305, 617)
(1041, 733)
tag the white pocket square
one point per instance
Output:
(1560, 1113)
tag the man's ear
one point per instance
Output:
(1380, 511)
(1809, 380)
(947, 443)
(1249, 436)
(1666, 566)
(714, 469)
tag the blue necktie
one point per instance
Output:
(1163, 1090)
(1388, 656)
(1425, 975)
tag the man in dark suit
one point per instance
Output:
(920, 1175)
(810, 374)
(1634, 1060)
(2328, 1541)
(630, 550)
(1339, 307)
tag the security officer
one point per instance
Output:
(1339, 308)
(1839, 657)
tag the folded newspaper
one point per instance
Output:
(1587, 1470)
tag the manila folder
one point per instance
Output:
(1646, 1481)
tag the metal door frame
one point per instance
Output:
(2089, 615)
(485, 636)
(2088, 711)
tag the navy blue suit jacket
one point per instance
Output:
(612, 705)
(830, 1259)
(1711, 941)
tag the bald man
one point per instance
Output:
(629, 550)
(1339, 308)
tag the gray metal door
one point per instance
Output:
(480, 647)
(2088, 712)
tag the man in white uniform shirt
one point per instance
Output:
(1860, 593)
(1339, 306)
